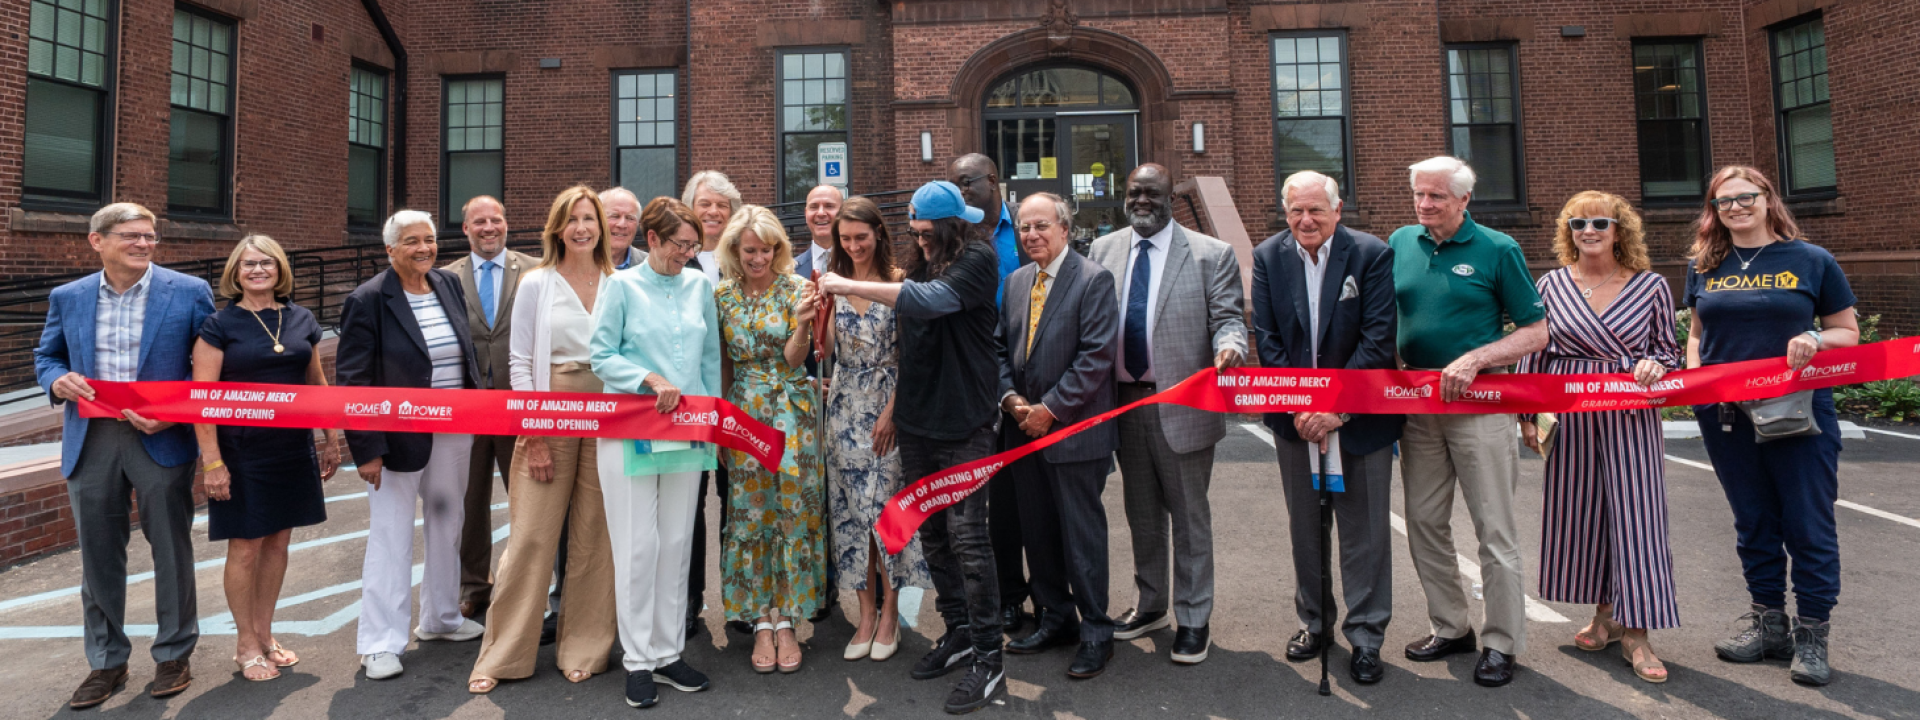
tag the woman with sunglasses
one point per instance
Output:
(1604, 540)
(1756, 291)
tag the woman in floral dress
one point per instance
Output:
(773, 566)
(863, 467)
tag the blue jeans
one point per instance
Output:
(959, 552)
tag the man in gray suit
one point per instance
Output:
(1180, 300)
(1058, 335)
(488, 275)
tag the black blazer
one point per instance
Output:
(381, 346)
(1356, 332)
(1071, 367)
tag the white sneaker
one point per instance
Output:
(468, 630)
(381, 666)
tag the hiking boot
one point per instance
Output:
(1810, 653)
(980, 687)
(1765, 635)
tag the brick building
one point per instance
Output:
(312, 119)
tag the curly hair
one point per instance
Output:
(1629, 239)
(1712, 241)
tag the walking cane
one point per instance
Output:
(1327, 610)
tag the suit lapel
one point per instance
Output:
(402, 311)
(447, 288)
(1334, 280)
(85, 309)
(510, 276)
(470, 287)
(1296, 270)
(1179, 256)
(1063, 288)
(1019, 304)
(159, 296)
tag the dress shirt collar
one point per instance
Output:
(478, 261)
(1160, 239)
(1320, 256)
(139, 287)
(1053, 267)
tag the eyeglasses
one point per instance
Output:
(969, 181)
(1724, 204)
(1599, 224)
(685, 247)
(135, 238)
(1039, 227)
(259, 265)
(918, 235)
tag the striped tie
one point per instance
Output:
(1036, 302)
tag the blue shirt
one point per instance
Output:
(1006, 244)
(1751, 313)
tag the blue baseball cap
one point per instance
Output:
(941, 199)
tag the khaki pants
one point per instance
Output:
(1479, 454)
(538, 510)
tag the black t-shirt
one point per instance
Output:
(949, 369)
(1751, 314)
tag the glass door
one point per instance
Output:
(1097, 152)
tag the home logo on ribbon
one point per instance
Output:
(1404, 392)
(366, 409)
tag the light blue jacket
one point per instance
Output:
(645, 322)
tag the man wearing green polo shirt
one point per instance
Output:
(1458, 284)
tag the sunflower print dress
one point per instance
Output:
(775, 546)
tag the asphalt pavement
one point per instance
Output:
(1875, 633)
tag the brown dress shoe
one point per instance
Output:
(171, 677)
(98, 686)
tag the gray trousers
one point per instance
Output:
(115, 472)
(1163, 489)
(1361, 517)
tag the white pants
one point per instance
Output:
(650, 524)
(386, 580)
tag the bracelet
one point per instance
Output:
(215, 465)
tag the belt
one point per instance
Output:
(1140, 385)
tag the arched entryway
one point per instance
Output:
(1067, 129)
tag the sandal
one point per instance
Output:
(258, 661)
(785, 626)
(578, 676)
(768, 666)
(1586, 640)
(1646, 669)
(286, 657)
(482, 686)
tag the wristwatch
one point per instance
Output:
(1344, 418)
(1817, 342)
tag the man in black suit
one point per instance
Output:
(1323, 298)
(1059, 332)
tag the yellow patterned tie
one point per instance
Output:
(1035, 303)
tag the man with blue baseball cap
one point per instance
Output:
(946, 411)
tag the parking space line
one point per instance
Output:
(1848, 504)
(1536, 610)
(1890, 432)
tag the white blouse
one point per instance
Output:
(570, 325)
(541, 313)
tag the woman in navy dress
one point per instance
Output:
(260, 482)
(1604, 540)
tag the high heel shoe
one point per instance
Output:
(766, 627)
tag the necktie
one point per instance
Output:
(486, 290)
(1035, 302)
(1135, 343)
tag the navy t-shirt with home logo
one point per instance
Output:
(1753, 313)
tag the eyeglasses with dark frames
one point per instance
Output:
(1724, 204)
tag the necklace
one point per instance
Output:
(1745, 261)
(274, 335)
(1588, 292)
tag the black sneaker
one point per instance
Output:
(682, 677)
(1766, 635)
(980, 687)
(1810, 653)
(949, 652)
(640, 690)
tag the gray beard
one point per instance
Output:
(1150, 225)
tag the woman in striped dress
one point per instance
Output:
(1605, 509)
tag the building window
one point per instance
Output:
(1670, 100)
(1483, 117)
(200, 150)
(67, 85)
(1804, 119)
(813, 110)
(644, 156)
(1310, 121)
(473, 163)
(366, 147)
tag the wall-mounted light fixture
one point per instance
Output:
(1199, 138)
(926, 146)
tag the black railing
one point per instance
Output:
(893, 210)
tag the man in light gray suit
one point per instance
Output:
(488, 275)
(1059, 331)
(1180, 309)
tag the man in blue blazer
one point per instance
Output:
(1059, 333)
(1323, 298)
(132, 321)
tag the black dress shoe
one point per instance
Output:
(550, 629)
(1048, 632)
(1304, 646)
(693, 627)
(740, 627)
(1366, 667)
(1190, 645)
(1133, 623)
(1434, 647)
(1495, 668)
(1091, 660)
(1013, 616)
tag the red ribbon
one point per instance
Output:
(477, 412)
(1273, 390)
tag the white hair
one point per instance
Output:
(717, 182)
(1309, 179)
(1460, 177)
(607, 195)
(401, 221)
(1063, 211)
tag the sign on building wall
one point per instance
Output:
(833, 163)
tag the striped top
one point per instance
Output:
(118, 320)
(1637, 325)
(443, 346)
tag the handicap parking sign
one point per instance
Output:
(832, 158)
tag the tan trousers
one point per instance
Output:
(1479, 454)
(537, 510)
